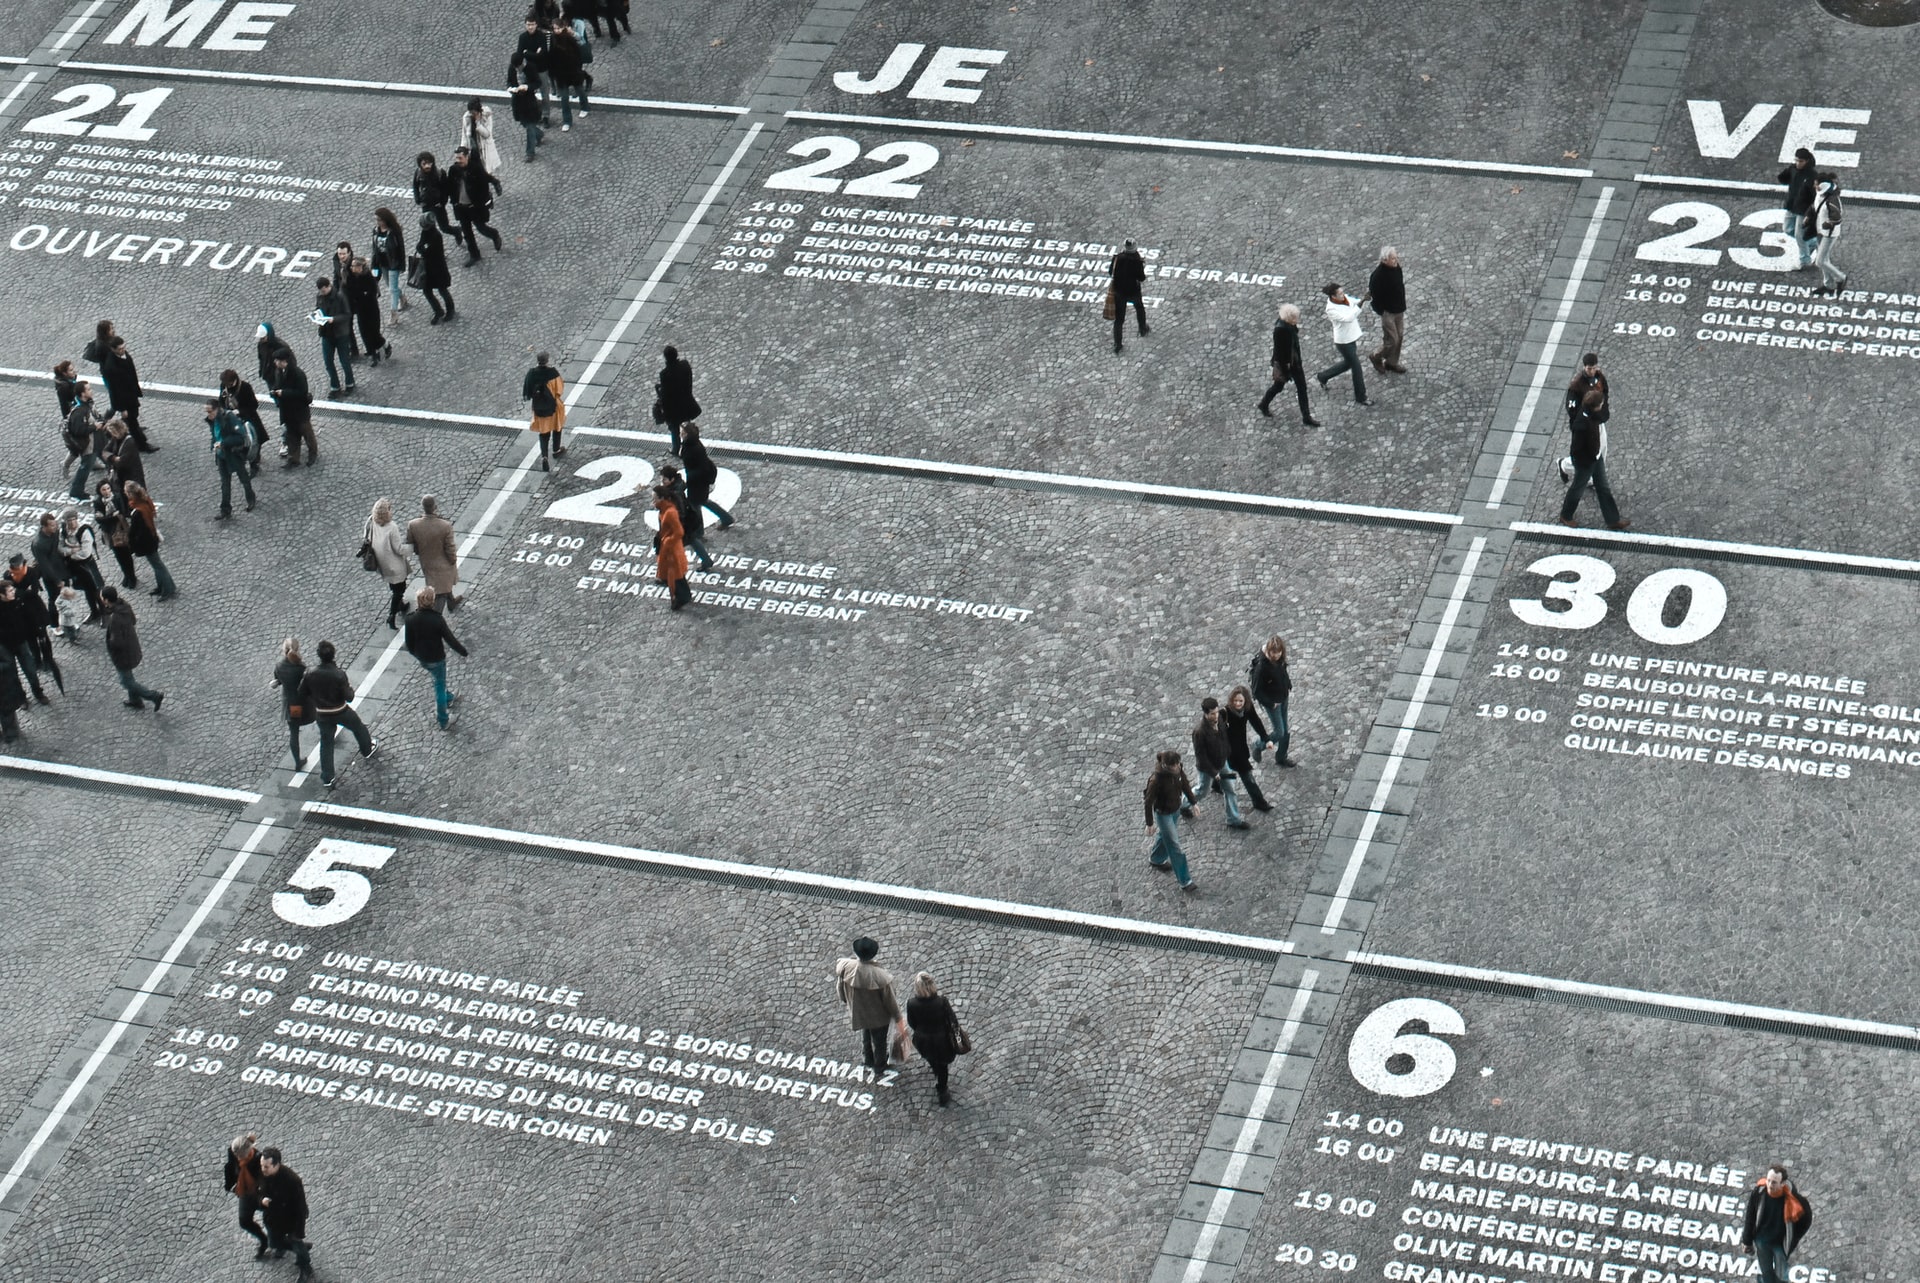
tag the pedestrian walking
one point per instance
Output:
(123, 649)
(1823, 222)
(80, 548)
(701, 478)
(1778, 1218)
(1343, 314)
(66, 381)
(363, 300)
(288, 673)
(12, 699)
(143, 537)
(543, 388)
(691, 521)
(1127, 275)
(294, 396)
(430, 535)
(389, 257)
(428, 636)
(242, 1177)
(534, 53)
(619, 15)
(327, 691)
(937, 1034)
(122, 378)
(1289, 366)
(283, 1201)
(670, 561)
(331, 319)
(526, 103)
(476, 135)
(566, 67)
(867, 991)
(23, 618)
(578, 24)
(1589, 461)
(1387, 289)
(110, 518)
(84, 433)
(266, 344)
(237, 397)
(340, 266)
(1235, 718)
(100, 344)
(472, 203)
(1168, 796)
(123, 456)
(428, 271)
(1210, 759)
(673, 402)
(1270, 684)
(587, 13)
(232, 446)
(1586, 378)
(48, 560)
(383, 539)
(431, 191)
(1802, 186)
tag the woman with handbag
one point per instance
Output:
(143, 537)
(382, 548)
(937, 1034)
(111, 519)
(287, 675)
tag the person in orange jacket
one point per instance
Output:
(1778, 1218)
(670, 562)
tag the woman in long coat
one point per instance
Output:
(390, 551)
(670, 562)
(936, 1030)
(544, 388)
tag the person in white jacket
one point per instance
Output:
(1344, 315)
(476, 135)
(389, 549)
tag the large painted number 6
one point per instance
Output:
(1381, 1037)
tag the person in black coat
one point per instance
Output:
(428, 636)
(363, 300)
(237, 395)
(294, 396)
(472, 202)
(673, 402)
(1288, 365)
(123, 390)
(430, 189)
(265, 343)
(1589, 461)
(389, 257)
(287, 675)
(937, 1035)
(430, 253)
(1210, 759)
(535, 53)
(242, 1178)
(1129, 273)
(283, 1201)
(701, 476)
(110, 518)
(12, 699)
(1270, 685)
(526, 103)
(66, 382)
(567, 69)
(123, 649)
(1387, 291)
(1236, 717)
(1802, 185)
(23, 617)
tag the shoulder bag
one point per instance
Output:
(961, 1043)
(369, 560)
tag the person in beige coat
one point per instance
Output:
(390, 552)
(867, 991)
(431, 537)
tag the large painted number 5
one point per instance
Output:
(318, 873)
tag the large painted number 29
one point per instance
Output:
(631, 475)
(88, 99)
(1381, 1045)
(1646, 609)
(320, 872)
(915, 159)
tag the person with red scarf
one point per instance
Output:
(1778, 1218)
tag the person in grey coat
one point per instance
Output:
(867, 991)
(123, 648)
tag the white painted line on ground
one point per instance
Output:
(1404, 739)
(1196, 144)
(76, 24)
(1756, 551)
(1249, 1132)
(1681, 1002)
(18, 89)
(1774, 190)
(667, 260)
(1038, 914)
(1543, 365)
(382, 86)
(125, 1022)
(211, 792)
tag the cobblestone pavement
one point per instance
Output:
(1581, 906)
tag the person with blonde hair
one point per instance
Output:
(937, 1034)
(1288, 365)
(287, 675)
(243, 1182)
(384, 541)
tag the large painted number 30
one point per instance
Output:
(1646, 609)
(319, 872)
(1382, 1039)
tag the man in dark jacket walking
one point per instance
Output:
(1589, 461)
(701, 476)
(1129, 273)
(292, 394)
(123, 648)
(428, 637)
(1778, 1218)
(673, 402)
(23, 618)
(1802, 183)
(1210, 759)
(430, 190)
(335, 324)
(123, 390)
(1288, 365)
(232, 447)
(472, 202)
(326, 690)
(283, 1205)
(536, 55)
(1388, 290)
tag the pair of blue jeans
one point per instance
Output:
(1166, 851)
(135, 691)
(1772, 1259)
(331, 347)
(1281, 737)
(442, 697)
(1791, 226)
(162, 581)
(1226, 790)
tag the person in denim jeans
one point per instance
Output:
(1270, 683)
(1778, 1218)
(427, 640)
(1168, 796)
(1210, 759)
(336, 335)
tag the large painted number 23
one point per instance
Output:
(321, 871)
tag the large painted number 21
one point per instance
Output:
(321, 871)
(88, 99)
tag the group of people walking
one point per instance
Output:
(1223, 754)
(888, 1035)
(267, 1189)
(1812, 218)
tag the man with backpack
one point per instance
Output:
(1823, 223)
(232, 445)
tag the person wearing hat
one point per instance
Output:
(867, 991)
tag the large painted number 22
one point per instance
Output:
(321, 871)
(915, 159)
